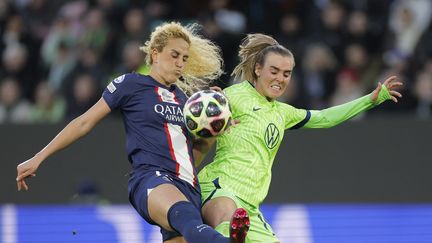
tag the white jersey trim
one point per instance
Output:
(180, 153)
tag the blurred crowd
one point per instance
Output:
(57, 56)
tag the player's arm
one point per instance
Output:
(337, 114)
(77, 128)
(201, 146)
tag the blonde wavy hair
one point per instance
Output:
(253, 50)
(204, 63)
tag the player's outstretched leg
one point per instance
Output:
(239, 226)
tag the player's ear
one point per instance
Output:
(154, 55)
(258, 69)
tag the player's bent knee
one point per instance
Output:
(218, 210)
(160, 200)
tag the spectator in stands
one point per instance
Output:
(85, 92)
(13, 108)
(423, 91)
(48, 106)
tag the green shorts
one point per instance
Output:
(259, 231)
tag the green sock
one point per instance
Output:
(223, 228)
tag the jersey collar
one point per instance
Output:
(260, 97)
(171, 88)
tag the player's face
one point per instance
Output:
(170, 62)
(274, 75)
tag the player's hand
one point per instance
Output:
(26, 170)
(391, 84)
(233, 123)
(216, 88)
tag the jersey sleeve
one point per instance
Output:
(118, 91)
(295, 118)
(337, 114)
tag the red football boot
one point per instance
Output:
(239, 226)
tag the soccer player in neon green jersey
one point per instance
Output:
(240, 174)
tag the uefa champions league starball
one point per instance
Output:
(207, 113)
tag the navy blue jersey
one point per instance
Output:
(153, 120)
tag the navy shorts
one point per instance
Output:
(147, 177)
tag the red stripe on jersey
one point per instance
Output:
(157, 92)
(171, 148)
(175, 98)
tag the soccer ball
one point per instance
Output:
(207, 113)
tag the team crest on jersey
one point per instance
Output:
(272, 135)
(119, 79)
(166, 96)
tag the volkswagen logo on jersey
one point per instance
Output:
(271, 137)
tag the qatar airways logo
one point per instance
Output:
(170, 112)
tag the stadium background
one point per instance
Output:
(364, 181)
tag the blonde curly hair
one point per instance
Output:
(204, 63)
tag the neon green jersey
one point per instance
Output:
(245, 155)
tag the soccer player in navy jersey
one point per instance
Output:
(163, 186)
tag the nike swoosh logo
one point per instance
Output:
(256, 108)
